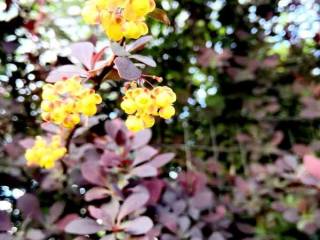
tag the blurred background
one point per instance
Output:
(247, 76)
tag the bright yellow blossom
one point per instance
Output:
(143, 105)
(44, 154)
(119, 18)
(65, 101)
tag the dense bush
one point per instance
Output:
(238, 161)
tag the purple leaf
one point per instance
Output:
(144, 59)
(113, 127)
(144, 171)
(134, 202)
(55, 211)
(202, 200)
(216, 236)
(161, 160)
(92, 121)
(35, 234)
(118, 50)
(50, 127)
(83, 51)
(112, 209)
(140, 225)
(143, 154)
(169, 220)
(5, 236)
(141, 139)
(179, 206)
(65, 71)
(62, 223)
(99, 213)
(30, 207)
(96, 193)
(91, 171)
(184, 223)
(26, 143)
(5, 223)
(126, 69)
(83, 226)
(110, 159)
(155, 187)
(138, 44)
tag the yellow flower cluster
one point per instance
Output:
(64, 102)
(143, 105)
(119, 18)
(45, 154)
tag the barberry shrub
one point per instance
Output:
(112, 167)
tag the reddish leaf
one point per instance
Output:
(91, 171)
(169, 220)
(161, 160)
(26, 143)
(140, 225)
(155, 188)
(118, 50)
(113, 127)
(96, 194)
(30, 207)
(35, 234)
(138, 44)
(144, 171)
(112, 209)
(143, 154)
(144, 59)
(97, 56)
(202, 200)
(126, 69)
(312, 165)
(4, 236)
(83, 226)
(141, 139)
(65, 71)
(99, 213)
(134, 202)
(55, 211)
(110, 159)
(62, 223)
(5, 223)
(216, 236)
(50, 127)
(83, 51)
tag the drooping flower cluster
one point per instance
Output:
(119, 18)
(44, 153)
(65, 101)
(143, 105)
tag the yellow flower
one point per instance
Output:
(129, 106)
(119, 18)
(44, 154)
(143, 105)
(66, 100)
(167, 112)
(134, 124)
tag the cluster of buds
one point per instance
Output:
(143, 105)
(119, 18)
(45, 153)
(65, 101)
